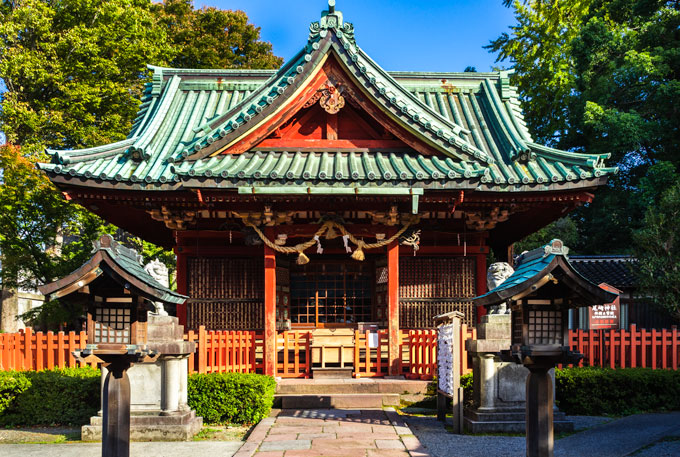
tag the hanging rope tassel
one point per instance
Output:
(359, 253)
(319, 249)
(302, 258)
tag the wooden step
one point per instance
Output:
(332, 373)
(332, 401)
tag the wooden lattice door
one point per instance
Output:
(331, 294)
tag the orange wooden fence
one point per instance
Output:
(371, 357)
(243, 351)
(419, 352)
(29, 350)
(293, 354)
(226, 351)
(627, 348)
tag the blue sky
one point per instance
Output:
(398, 35)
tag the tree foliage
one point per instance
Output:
(213, 38)
(74, 71)
(602, 76)
(657, 248)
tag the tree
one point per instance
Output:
(74, 72)
(213, 38)
(657, 248)
(33, 216)
(562, 229)
(601, 76)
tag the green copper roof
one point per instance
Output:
(121, 263)
(472, 121)
(534, 265)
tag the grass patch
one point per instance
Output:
(222, 433)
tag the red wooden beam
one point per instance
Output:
(269, 307)
(446, 250)
(394, 355)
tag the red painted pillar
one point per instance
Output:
(481, 282)
(269, 307)
(182, 285)
(393, 308)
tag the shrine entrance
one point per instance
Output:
(331, 294)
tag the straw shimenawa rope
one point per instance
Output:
(326, 228)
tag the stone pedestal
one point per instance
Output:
(499, 387)
(158, 391)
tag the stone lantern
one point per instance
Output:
(116, 294)
(540, 292)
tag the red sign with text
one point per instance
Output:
(606, 316)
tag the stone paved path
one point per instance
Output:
(335, 433)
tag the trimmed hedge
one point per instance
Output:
(597, 391)
(60, 396)
(12, 384)
(231, 397)
(71, 396)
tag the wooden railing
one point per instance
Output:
(370, 354)
(28, 350)
(293, 354)
(627, 348)
(419, 352)
(237, 351)
(243, 351)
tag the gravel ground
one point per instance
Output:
(664, 448)
(440, 443)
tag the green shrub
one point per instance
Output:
(12, 384)
(59, 396)
(597, 391)
(231, 397)
(466, 384)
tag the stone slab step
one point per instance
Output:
(473, 426)
(505, 416)
(349, 386)
(332, 401)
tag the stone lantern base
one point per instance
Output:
(158, 390)
(499, 387)
(151, 427)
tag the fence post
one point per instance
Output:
(201, 349)
(633, 346)
(675, 342)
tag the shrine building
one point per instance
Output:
(330, 192)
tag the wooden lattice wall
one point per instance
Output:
(429, 286)
(226, 293)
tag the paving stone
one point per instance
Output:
(344, 452)
(383, 428)
(285, 445)
(343, 443)
(286, 430)
(249, 446)
(412, 444)
(269, 454)
(313, 436)
(298, 421)
(369, 436)
(403, 430)
(386, 453)
(389, 444)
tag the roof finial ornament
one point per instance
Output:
(331, 19)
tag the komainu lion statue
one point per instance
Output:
(496, 275)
